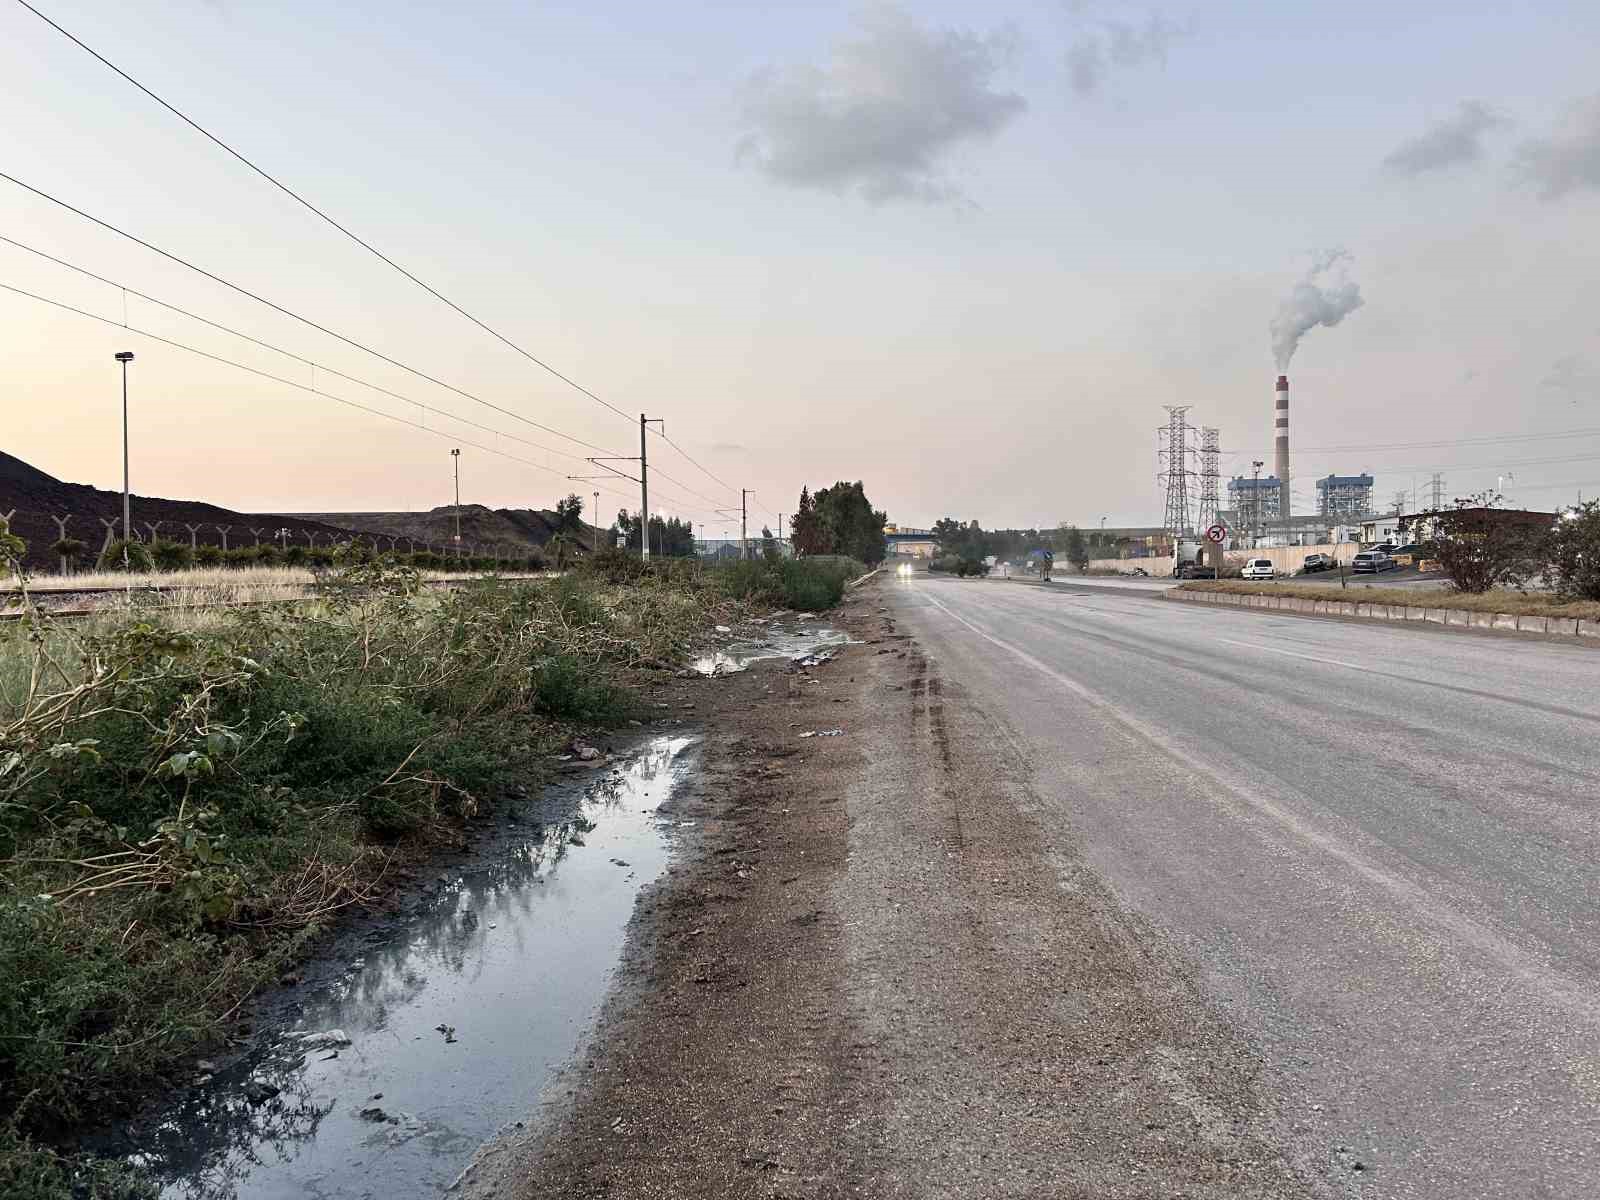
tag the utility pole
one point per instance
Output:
(644, 484)
(455, 457)
(744, 522)
(1255, 501)
(595, 518)
(125, 357)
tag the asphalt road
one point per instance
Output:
(1379, 847)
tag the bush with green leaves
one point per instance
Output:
(137, 557)
(1574, 552)
(171, 556)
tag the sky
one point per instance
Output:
(963, 252)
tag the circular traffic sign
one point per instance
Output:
(1217, 533)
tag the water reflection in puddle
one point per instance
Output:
(510, 956)
(794, 642)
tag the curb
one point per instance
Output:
(857, 583)
(1571, 627)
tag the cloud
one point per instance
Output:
(1570, 159)
(1119, 44)
(1452, 142)
(881, 115)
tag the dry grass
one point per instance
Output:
(1532, 604)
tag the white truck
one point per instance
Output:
(1189, 559)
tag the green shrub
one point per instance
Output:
(138, 556)
(208, 556)
(566, 687)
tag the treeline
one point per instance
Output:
(970, 542)
(669, 538)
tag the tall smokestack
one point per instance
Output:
(1281, 430)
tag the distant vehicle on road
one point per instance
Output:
(1371, 562)
(1258, 568)
(1315, 563)
(1189, 560)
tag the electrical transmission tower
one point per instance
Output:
(1437, 484)
(1400, 499)
(1210, 473)
(1175, 455)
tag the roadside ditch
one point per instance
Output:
(418, 1033)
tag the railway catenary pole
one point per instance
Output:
(125, 357)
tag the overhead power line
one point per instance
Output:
(310, 207)
(314, 365)
(316, 391)
(307, 321)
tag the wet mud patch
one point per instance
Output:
(418, 1035)
(799, 639)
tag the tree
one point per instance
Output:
(854, 528)
(1574, 558)
(806, 531)
(1481, 546)
(569, 514)
(769, 546)
(68, 549)
(1077, 550)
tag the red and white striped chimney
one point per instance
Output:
(1281, 433)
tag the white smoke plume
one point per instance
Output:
(1313, 303)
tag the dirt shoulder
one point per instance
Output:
(871, 975)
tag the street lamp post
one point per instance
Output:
(125, 357)
(455, 457)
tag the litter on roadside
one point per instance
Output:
(823, 733)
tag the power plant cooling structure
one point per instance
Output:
(1281, 432)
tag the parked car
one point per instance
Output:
(1408, 554)
(1258, 568)
(1371, 562)
(1317, 562)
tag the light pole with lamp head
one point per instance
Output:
(455, 457)
(125, 357)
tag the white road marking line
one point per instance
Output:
(1316, 658)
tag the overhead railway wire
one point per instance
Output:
(289, 313)
(316, 391)
(358, 240)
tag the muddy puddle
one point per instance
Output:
(796, 638)
(435, 1029)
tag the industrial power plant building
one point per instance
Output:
(1345, 496)
(1259, 498)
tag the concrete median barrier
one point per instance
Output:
(1579, 628)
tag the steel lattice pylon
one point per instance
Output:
(1210, 473)
(1174, 454)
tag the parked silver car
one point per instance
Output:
(1371, 562)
